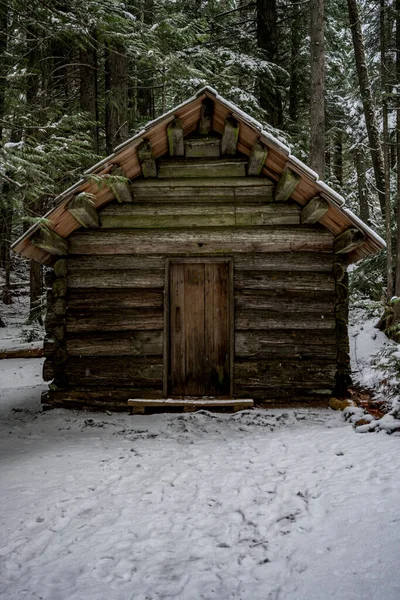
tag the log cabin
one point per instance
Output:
(200, 261)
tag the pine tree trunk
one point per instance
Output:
(368, 102)
(338, 157)
(295, 75)
(145, 91)
(397, 288)
(267, 39)
(386, 144)
(3, 62)
(88, 92)
(317, 93)
(116, 82)
(362, 185)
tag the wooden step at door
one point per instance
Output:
(139, 405)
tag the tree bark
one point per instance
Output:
(317, 112)
(116, 82)
(397, 288)
(338, 157)
(295, 75)
(362, 185)
(88, 90)
(368, 102)
(386, 157)
(267, 39)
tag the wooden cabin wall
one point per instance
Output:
(111, 292)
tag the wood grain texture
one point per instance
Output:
(267, 320)
(113, 300)
(284, 281)
(279, 301)
(121, 371)
(128, 320)
(140, 343)
(109, 279)
(287, 345)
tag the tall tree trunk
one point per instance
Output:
(295, 75)
(267, 39)
(338, 157)
(397, 288)
(145, 91)
(3, 62)
(368, 102)
(317, 112)
(362, 185)
(88, 92)
(116, 82)
(386, 159)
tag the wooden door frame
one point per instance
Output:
(167, 302)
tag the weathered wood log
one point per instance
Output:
(143, 216)
(202, 167)
(59, 306)
(206, 117)
(304, 396)
(115, 263)
(147, 160)
(202, 241)
(121, 189)
(319, 303)
(220, 189)
(348, 241)
(276, 345)
(60, 267)
(203, 147)
(46, 239)
(175, 138)
(48, 277)
(100, 399)
(263, 320)
(257, 158)
(83, 210)
(286, 185)
(59, 287)
(48, 372)
(106, 371)
(114, 300)
(141, 343)
(130, 320)
(59, 356)
(24, 352)
(296, 261)
(230, 136)
(314, 210)
(50, 345)
(117, 279)
(273, 373)
(343, 372)
(284, 281)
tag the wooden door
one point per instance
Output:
(199, 329)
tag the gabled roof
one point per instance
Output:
(337, 220)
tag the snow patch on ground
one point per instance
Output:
(258, 505)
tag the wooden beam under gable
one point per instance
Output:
(175, 138)
(314, 210)
(83, 209)
(147, 160)
(48, 240)
(348, 241)
(230, 136)
(257, 158)
(206, 117)
(286, 185)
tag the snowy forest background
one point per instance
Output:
(77, 78)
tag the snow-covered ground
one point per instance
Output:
(259, 505)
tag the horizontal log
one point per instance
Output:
(287, 374)
(117, 279)
(273, 345)
(201, 241)
(50, 345)
(48, 240)
(304, 396)
(129, 320)
(48, 370)
(100, 399)
(275, 261)
(114, 300)
(264, 320)
(23, 352)
(284, 281)
(202, 167)
(141, 343)
(203, 190)
(59, 287)
(115, 263)
(202, 147)
(318, 303)
(121, 371)
(195, 215)
(296, 261)
(60, 267)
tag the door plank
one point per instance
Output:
(194, 329)
(217, 329)
(177, 333)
